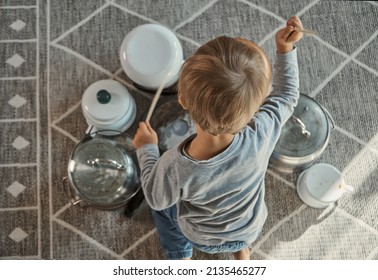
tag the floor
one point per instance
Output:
(51, 51)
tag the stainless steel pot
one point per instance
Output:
(101, 172)
(303, 138)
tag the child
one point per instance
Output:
(208, 191)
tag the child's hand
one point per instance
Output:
(145, 135)
(286, 37)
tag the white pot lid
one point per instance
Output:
(149, 52)
(105, 101)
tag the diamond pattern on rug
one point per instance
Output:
(285, 9)
(19, 142)
(362, 174)
(150, 249)
(316, 62)
(232, 19)
(16, 188)
(368, 55)
(351, 97)
(19, 235)
(19, 187)
(169, 13)
(65, 14)
(70, 77)
(110, 27)
(16, 60)
(346, 37)
(110, 228)
(18, 24)
(74, 123)
(18, 99)
(68, 245)
(340, 151)
(276, 190)
(326, 234)
(19, 58)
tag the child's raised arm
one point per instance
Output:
(286, 37)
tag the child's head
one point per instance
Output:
(224, 83)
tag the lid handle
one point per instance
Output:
(103, 96)
(301, 125)
(105, 163)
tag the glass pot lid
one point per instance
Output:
(306, 132)
(172, 124)
(101, 170)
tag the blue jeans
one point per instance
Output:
(174, 243)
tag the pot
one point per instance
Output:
(321, 185)
(304, 137)
(172, 124)
(108, 107)
(150, 52)
(101, 172)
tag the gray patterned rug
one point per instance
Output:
(51, 51)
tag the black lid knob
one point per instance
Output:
(103, 96)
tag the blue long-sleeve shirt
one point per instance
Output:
(222, 199)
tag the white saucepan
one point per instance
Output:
(148, 53)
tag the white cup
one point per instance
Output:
(320, 185)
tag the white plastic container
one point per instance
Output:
(108, 107)
(148, 53)
(321, 185)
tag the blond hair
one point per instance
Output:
(224, 83)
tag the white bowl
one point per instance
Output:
(150, 52)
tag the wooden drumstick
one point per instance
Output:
(156, 97)
(305, 31)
